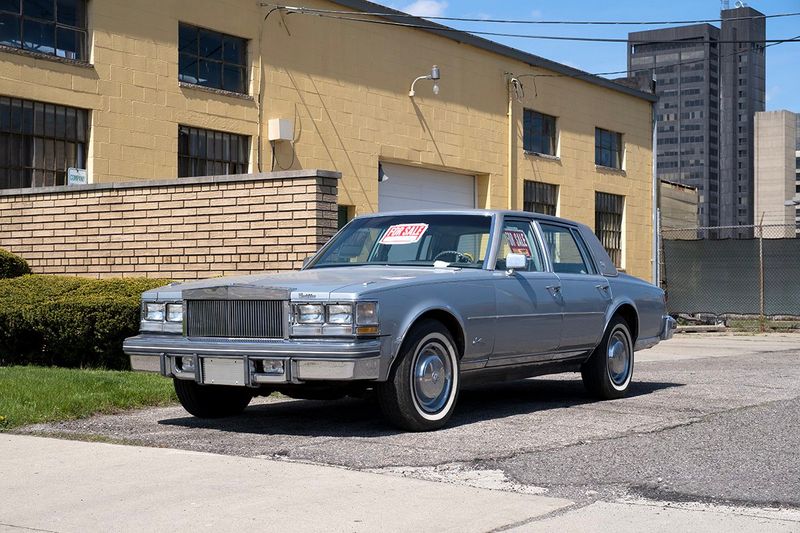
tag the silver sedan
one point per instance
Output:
(409, 306)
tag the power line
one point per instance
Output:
(680, 63)
(399, 14)
(440, 28)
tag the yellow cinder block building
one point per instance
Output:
(146, 89)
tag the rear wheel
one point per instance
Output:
(422, 389)
(211, 401)
(608, 372)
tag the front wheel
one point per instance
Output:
(607, 374)
(423, 387)
(211, 401)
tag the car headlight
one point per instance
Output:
(174, 313)
(310, 314)
(153, 312)
(340, 314)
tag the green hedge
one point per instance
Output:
(69, 322)
(12, 266)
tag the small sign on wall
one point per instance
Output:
(77, 176)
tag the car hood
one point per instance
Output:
(319, 283)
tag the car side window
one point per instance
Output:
(564, 250)
(518, 237)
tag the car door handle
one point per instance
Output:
(605, 289)
(555, 290)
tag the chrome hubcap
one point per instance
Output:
(619, 358)
(433, 377)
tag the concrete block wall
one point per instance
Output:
(181, 229)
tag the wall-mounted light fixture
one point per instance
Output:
(434, 76)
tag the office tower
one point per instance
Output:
(708, 92)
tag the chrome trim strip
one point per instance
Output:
(487, 317)
(148, 351)
(157, 344)
(236, 292)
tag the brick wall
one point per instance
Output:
(182, 229)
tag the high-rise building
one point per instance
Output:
(742, 95)
(775, 171)
(710, 83)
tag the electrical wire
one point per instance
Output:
(626, 71)
(446, 29)
(399, 14)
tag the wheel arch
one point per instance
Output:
(628, 311)
(446, 317)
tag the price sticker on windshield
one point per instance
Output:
(404, 234)
(518, 242)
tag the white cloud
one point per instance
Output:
(426, 8)
(536, 14)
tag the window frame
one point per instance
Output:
(222, 62)
(615, 148)
(533, 187)
(81, 31)
(600, 232)
(537, 246)
(195, 159)
(580, 246)
(41, 131)
(529, 135)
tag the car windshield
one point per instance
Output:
(410, 240)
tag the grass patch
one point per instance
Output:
(31, 394)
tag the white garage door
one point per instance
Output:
(409, 188)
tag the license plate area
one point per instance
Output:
(218, 371)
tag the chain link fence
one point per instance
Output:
(742, 277)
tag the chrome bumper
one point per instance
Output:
(668, 328)
(254, 363)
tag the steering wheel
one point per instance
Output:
(460, 257)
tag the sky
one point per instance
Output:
(783, 61)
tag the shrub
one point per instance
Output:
(69, 322)
(12, 266)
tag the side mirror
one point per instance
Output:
(516, 262)
(307, 260)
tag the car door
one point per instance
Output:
(585, 294)
(528, 324)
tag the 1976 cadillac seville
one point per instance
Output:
(411, 306)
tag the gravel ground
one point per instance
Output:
(716, 429)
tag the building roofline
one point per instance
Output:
(492, 46)
(699, 29)
(679, 185)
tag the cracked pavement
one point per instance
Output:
(710, 419)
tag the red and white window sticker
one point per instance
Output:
(518, 242)
(404, 234)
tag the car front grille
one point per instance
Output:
(252, 319)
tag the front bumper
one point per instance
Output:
(243, 363)
(669, 325)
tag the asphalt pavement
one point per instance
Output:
(708, 438)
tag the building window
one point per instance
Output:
(211, 153)
(608, 211)
(607, 148)
(39, 142)
(53, 27)
(539, 133)
(540, 198)
(212, 59)
(344, 214)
